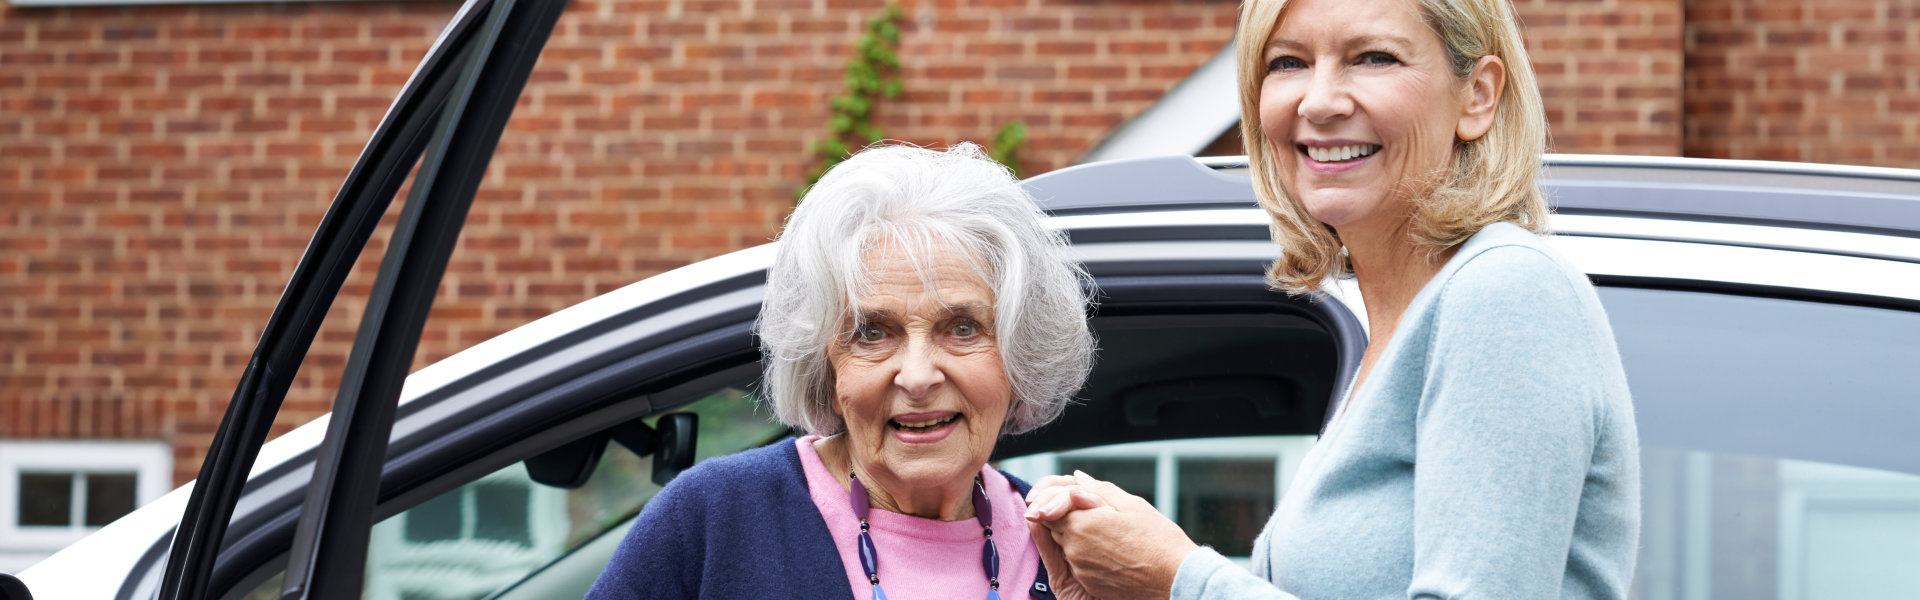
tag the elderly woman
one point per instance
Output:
(1487, 447)
(917, 309)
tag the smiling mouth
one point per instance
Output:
(1334, 154)
(922, 426)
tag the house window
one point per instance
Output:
(53, 493)
(1219, 490)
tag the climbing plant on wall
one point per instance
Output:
(872, 76)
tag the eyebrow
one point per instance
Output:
(970, 309)
(1363, 40)
(1394, 40)
(967, 309)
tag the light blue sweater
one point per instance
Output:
(1490, 453)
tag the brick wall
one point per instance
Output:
(161, 168)
(1804, 80)
(1609, 73)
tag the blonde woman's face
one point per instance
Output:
(1358, 102)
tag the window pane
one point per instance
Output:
(1135, 475)
(1225, 502)
(109, 496)
(46, 499)
(435, 520)
(1770, 377)
(500, 512)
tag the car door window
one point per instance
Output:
(492, 533)
(1777, 448)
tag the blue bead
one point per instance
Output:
(869, 559)
(990, 560)
(993, 594)
(879, 594)
(982, 508)
(857, 498)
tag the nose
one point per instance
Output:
(1325, 98)
(920, 371)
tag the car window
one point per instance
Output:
(1220, 490)
(491, 533)
(1762, 376)
(1777, 447)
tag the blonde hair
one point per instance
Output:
(1493, 178)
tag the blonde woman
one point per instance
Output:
(1487, 447)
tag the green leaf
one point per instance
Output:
(869, 77)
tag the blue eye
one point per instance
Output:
(965, 330)
(1378, 59)
(1286, 63)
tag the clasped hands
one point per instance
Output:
(1099, 541)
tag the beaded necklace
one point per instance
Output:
(982, 512)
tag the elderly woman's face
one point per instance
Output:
(919, 380)
(1359, 101)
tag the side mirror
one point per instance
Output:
(11, 588)
(673, 447)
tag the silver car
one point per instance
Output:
(1768, 315)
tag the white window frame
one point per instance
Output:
(1286, 451)
(1810, 488)
(150, 461)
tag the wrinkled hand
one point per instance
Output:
(1099, 541)
(1050, 499)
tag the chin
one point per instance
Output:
(1334, 216)
(929, 477)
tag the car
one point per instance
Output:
(1767, 315)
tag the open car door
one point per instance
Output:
(447, 118)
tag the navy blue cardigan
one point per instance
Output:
(739, 526)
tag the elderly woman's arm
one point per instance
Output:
(661, 555)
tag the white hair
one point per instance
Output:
(923, 202)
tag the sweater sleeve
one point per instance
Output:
(1205, 574)
(662, 555)
(1505, 430)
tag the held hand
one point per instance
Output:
(1115, 544)
(1050, 499)
(1059, 572)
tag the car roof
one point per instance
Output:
(1836, 197)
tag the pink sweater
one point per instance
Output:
(926, 558)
